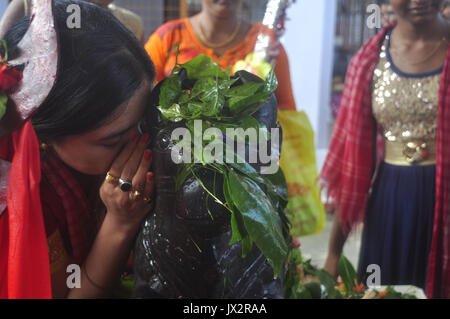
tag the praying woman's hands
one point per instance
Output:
(128, 187)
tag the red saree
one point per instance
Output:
(350, 164)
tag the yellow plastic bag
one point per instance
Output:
(298, 162)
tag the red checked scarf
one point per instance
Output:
(350, 164)
(24, 258)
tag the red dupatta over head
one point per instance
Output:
(350, 163)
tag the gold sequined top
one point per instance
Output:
(405, 105)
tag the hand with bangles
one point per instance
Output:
(128, 187)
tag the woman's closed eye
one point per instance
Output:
(114, 139)
(112, 142)
(113, 145)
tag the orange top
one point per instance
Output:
(162, 48)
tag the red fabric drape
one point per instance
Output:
(24, 270)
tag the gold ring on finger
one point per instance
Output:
(135, 195)
(111, 179)
(147, 199)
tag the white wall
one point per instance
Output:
(3, 5)
(309, 42)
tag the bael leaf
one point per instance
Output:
(242, 105)
(3, 102)
(244, 90)
(329, 283)
(303, 292)
(185, 97)
(4, 58)
(195, 109)
(245, 95)
(172, 113)
(260, 219)
(236, 235)
(213, 101)
(225, 85)
(277, 184)
(170, 91)
(246, 169)
(207, 92)
(202, 66)
(238, 232)
(347, 273)
(314, 289)
(392, 294)
(249, 121)
(249, 97)
(247, 245)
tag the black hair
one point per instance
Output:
(102, 64)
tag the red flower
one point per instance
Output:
(295, 242)
(359, 288)
(9, 77)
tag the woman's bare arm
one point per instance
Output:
(106, 260)
(335, 246)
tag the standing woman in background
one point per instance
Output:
(446, 9)
(219, 33)
(399, 82)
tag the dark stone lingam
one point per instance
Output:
(182, 250)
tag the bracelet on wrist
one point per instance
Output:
(93, 283)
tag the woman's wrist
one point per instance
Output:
(120, 228)
(333, 256)
(107, 258)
